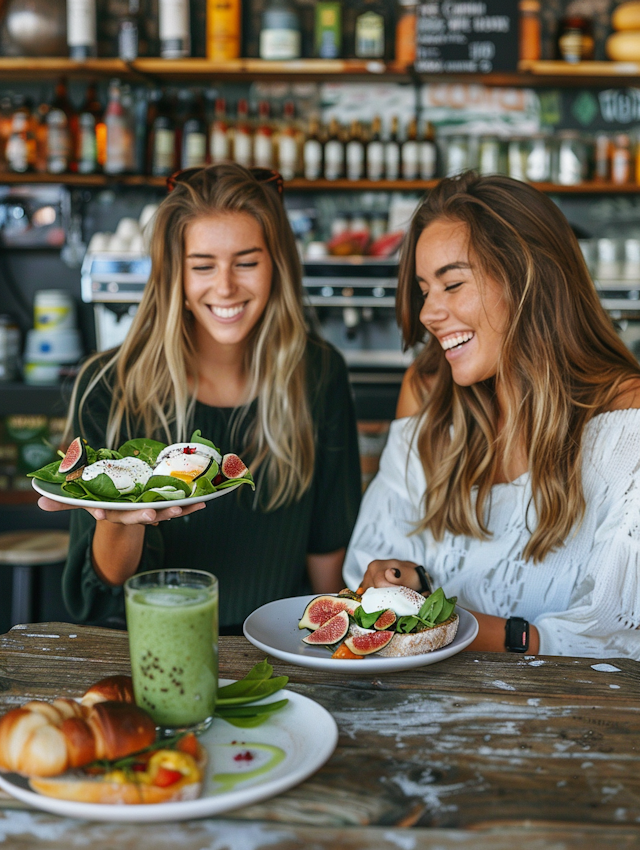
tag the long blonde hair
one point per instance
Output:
(561, 362)
(149, 373)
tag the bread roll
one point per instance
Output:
(110, 689)
(626, 16)
(624, 46)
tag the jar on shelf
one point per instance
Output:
(538, 167)
(406, 32)
(575, 39)
(571, 160)
(517, 155)
(456, 154)
(491, 155)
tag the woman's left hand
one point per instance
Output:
(385, 573)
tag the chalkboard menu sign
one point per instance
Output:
(465, 36)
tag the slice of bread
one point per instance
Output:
(401, 646)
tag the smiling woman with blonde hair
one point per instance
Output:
(220, 344)
(515, 480)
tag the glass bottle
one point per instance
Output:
(6, 120)
(529, 31)
(328, 30)
(220, 138)
(406, 33)
(375, 151)
(334, 152)
(129, 32)
(41, 133)
(280, 32)
(116, 131)
(312, 151)
(81, 29)
(602, 158)
(410, 152)
(575, 39)
(355, 152)
(194, 134)
(21, 145)
(392, 152)
(242, 136)
(61, 132)
(621, 159)
(163, 139)
(175, 29)
(428, 153)
(372, 29)
(89, 121)
(263, 138)
(288, 147)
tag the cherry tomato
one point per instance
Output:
(165, 777)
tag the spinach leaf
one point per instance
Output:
(72, 488)
(49, 473)
(254, 686)
(161, 494)
(406, 624)
(157, 481)
(365, 620)
(203, 486)
(249, 716)
(107, 454)
(101, 486)
(197, 437)
(143, 448)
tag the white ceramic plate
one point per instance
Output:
(303, 731)
(273, 628)
(53, 491)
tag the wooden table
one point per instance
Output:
(480, 751)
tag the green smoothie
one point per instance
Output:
(173, 643)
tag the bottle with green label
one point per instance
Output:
(372, 30)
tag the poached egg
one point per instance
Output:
(125, 473)
(403, 600)
(186, 461)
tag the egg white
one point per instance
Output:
(403, 600)
(173, 461)
(125, 473)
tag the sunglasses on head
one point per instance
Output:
(262, 175)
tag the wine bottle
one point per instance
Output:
(175, 31)
(81, 29)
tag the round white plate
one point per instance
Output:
(53, 491)
(304, 730)
(273, 628)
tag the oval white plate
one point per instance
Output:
(53, 491)
(273, 628)
(303, 729)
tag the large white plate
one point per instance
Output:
(53, 491)
(305, 731)
(274, 629)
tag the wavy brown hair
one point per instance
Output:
(153, 375)
(561, 362)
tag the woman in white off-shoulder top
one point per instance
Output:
(512, 477)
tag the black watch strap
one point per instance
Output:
(425, 580)
(516, 634)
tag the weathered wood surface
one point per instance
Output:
(545, 748)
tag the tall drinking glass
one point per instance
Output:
(172, 619)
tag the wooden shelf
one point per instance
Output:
(299, 184)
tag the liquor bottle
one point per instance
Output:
(194, 135)
(375, 152)
(21, 145)
(263, 138)
(223, 29)
(372, 27)
(312, 151)
(428, 153)
(410, 152)
(392, 152)
(242, 136)
(89, 122)
(129, 32)
(220, 137)
(355, 153)
(280, 33)
(6, 121)
(81, 29)
(288, 144)
(115, 120)
(41, 134)
(334, 152)
(163, 139)
(328, 30)
(175, 29)
(128, 111)
(61, 132)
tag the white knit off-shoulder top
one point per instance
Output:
(584, 598)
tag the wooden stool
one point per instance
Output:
(22, 551)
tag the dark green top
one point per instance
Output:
(256, 556)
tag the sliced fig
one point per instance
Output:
(385, 620)
(367, 641)
(323, 608)
(349, 594)
(75, 458)
(330, 632)
(233, 467)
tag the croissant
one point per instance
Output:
(112, 688)
(45, 739)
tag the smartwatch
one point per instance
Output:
(516, 634)
(425, 581)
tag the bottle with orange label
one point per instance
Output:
(223, 30)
